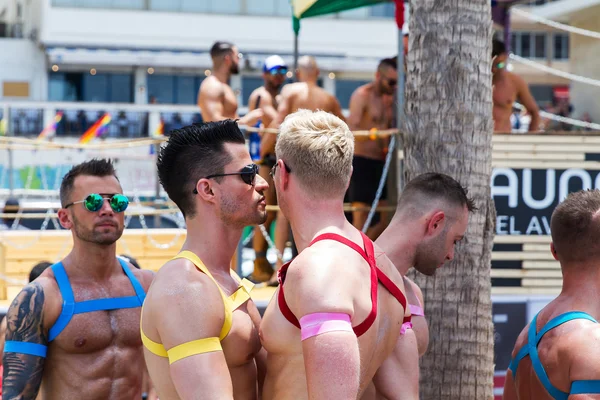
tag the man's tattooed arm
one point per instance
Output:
(23, 372)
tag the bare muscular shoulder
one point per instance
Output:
(174, 274)
(364, 91)
(582, 348)
(210, 87)
(516, 80)
(29, 319)
(292, 88)
(52, 297)
(314, 278)
(180, 285)
(387, 266)
(211, 99)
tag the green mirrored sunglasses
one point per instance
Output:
(94, 202)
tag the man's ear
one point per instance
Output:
(553, 251)
(436, 223)
(284, 176)
(204, 187)
(65, 218)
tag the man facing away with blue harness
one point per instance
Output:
(556, 355)
(74, 331)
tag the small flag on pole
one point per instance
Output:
(160, 129)
(50, 130)
(95, 130)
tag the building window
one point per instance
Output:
(513, 42)
(282, 8)
(226, 6)
(260, 7)
(383, 10)
(186, 89)
(166, 5)
(107, 88)
(204, 6)
(121, 88)
(124, 4)
(249, 83)
(195, 6)
(64, 86)
(344, 89)
(539, 45)
(525, 45)
(529, 44)
(561, 46)
(542, 94)
(174, 89)
(83, 86)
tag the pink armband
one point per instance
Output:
(318, 323)
(405, 326)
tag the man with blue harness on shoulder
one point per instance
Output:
(556, 355)
(74, 331)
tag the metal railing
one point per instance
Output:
(28, 119)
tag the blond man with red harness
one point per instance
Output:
(340, 304)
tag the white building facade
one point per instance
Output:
(128, 51)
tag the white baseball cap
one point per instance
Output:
(273, 62)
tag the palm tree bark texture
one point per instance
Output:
(448, 128)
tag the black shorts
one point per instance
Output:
(365, 180)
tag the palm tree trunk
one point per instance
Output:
(449, 129)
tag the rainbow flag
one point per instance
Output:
(50, 130)
(95, 130)
(160, 129)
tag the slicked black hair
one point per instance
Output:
(192, 153)
(95, 167)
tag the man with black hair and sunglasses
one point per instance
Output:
(199, 325)
(74, 331)
(372, 107)
(507, 89)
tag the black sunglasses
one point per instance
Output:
(248, 175)
(392, 82)
(275, 167)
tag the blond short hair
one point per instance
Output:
(318, 147)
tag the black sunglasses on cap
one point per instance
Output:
(248, 175)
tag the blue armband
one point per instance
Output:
(33, 349)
